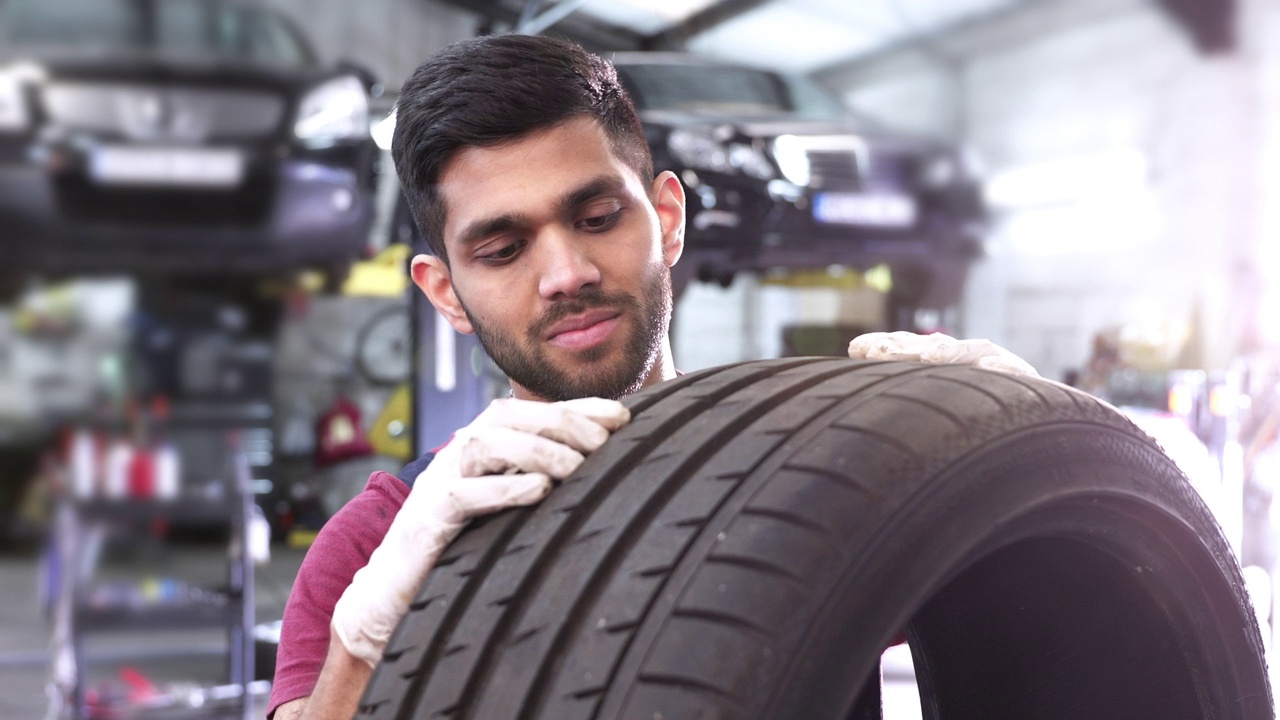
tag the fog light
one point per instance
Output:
(342, 200)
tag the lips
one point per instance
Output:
(584, 330)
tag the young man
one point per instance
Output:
(529, 174)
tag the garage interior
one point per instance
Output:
(1127, 157)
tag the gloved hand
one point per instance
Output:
(938, 348)
(506, 457)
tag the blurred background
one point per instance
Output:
(208, 341)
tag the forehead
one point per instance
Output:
(528, 175)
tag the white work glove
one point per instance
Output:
(506, 457)
(938, 348)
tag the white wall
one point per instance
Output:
(390, 37)
(1100, 81)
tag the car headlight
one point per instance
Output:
(940, 171)
(706, 152)
(793, 159)
(751, 160)
(336, 110)
(14, 113)
(699, 150)
(384, 130)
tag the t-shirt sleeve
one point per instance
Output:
(342, 547)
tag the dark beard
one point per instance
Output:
(527, 364)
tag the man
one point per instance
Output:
(528, 172)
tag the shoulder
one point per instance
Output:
(346, 541)
(342, 547)
(372, 508)
(411, 471)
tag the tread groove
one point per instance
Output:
(622, 626)
(722, 618)
(588, 536)
(936, 409)
(422, 604)
(786, 516)
(999, 401)
(883, 438)
(688, 683)
(517, 549)
(657, 571)
(822, 473)
(752, 563)
(588, 693)
(521, 637)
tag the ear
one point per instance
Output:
(668, 200)
(432, 276)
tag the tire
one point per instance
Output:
(750, 543)
(384, 346)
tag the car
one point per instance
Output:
(781, 175)
(181, 137)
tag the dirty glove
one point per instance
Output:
(506, 457)
(938, 348)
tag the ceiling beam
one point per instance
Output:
(1211, 23)
(1021, 23)
(596, 36)
(676, 36)
(493, 12)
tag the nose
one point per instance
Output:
(568, 267)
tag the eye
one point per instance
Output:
(598, 223)
(502, 255)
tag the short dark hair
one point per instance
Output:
(493, 89)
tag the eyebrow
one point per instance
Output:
(591, 189)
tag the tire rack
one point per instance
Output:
(75, 620)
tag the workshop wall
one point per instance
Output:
(390, 37)
(315, 366)
(1129, 162)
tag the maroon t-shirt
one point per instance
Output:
(342, 547)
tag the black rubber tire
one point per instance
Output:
(384, 346)
(752, 541)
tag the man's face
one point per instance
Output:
(559, 262)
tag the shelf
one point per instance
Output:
(177, 510)
(186, 616)
(206, 703)
(171, 605)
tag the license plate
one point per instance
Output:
(879, 210)
(199, 167)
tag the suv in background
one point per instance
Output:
(184, 137)
(781, 175)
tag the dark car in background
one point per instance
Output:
(176, 136)
(781, 175)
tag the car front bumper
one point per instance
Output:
(735, 224)
(292, 209)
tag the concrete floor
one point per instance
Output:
(166, 658)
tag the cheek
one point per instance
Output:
(644, 243)
(497, 306)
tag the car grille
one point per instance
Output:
(842, 162)
(248, 206)
(833, 168)
(872, 168)
(154, 113)
(890, 169)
